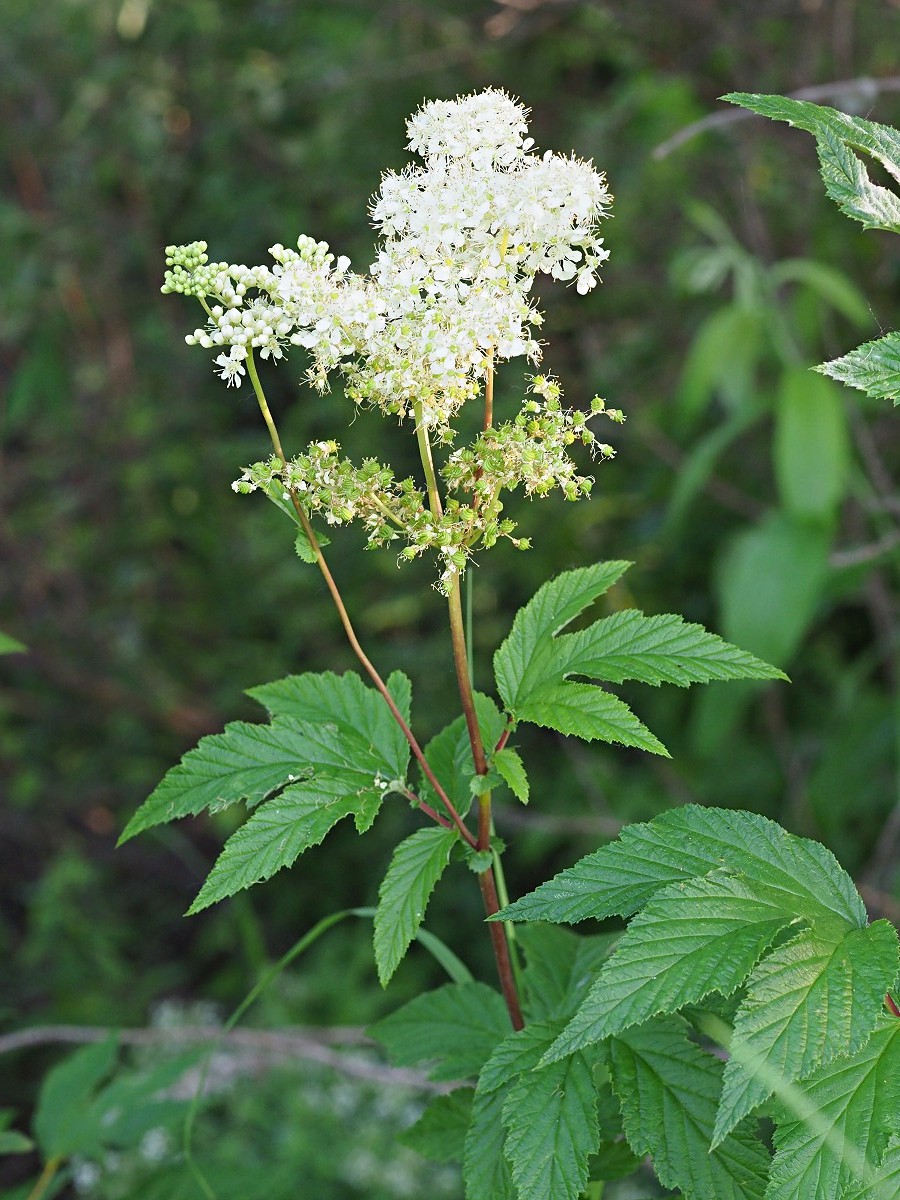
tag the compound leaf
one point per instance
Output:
(416, 866)
(456, 1027)
(668, 1088)
(811, 999)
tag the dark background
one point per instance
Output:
(150, 596)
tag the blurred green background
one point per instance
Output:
(752, 495)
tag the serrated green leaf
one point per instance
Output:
(416, 866)
(440, 1132)
(508, 764)
(517, 663)
(688, 842)
(13, 1142)
(10, 645)
(832, 1129)
(449, 754)
(692, 938)
(65, 1121)
(587, 712)
(874, 368)
(884, 1182)
(456, 1026)
(551, 1121)
(812, 445)
(668, 1089)
(807, 1002)
(486, 1172)
(348, 703)
(560, 966)
(519, 1052)
(655, 650)
(837, 137)
(281, 829)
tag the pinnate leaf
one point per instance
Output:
(873, 367)
(417, 864)
(456, 1027)
(688, 842)
(808, 1001)
(280, 830)
(551, 1120)
(833, 1128)
(668, 1088)
(693, 938)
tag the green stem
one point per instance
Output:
(345, 617)
(51, 1167)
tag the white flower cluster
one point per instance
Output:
(463, 237)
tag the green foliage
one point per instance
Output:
(10, 645)
(874, 367)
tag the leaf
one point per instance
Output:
(873, 367)
(449, 754)
(559, 968)
(587, 712)
(833, 286)
(838, 136)
(456, 1027)
(10, 645)
(722, 360)
(655, 650)
(668, 1089)
(65, 1121)
(807, 1002)
(884, 1182)
(835, 1126)
(417, 864)
(518, 661)
(440, 1132)
(551, 1120)
(508, 764)
(13, 1142)
(693, 938)
(486, 1172)
(811, 447)
(685, 843)
(519, 1052)
(280, 830)
(769, 584)
(349, 704)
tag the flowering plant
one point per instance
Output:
(594, 1052)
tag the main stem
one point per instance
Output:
(486, 879)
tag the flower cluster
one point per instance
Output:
(463, 236)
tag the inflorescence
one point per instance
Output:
(448, 297)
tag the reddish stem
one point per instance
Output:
(892, 1005)
(501, 949)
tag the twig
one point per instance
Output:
(851, 93)
(312, 1045)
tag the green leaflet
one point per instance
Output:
(486, 1172)
(884, 1181)
(10, 645)
(456, 1027)
(832, 1129)
(440, 1132)
(449, 754)
(873, 367)
(345, 725)
(13, 1142)
(812, 445)
(838, 136)
(682, 844)
(693, 938)
(519, 1052)
(807, 1002)
(668, 1089)
(508, 764)
(560, 967)
(533, 665)
(64, 1121)
(417, 864)
(517, 663)
(551, 1119)
(279, 831)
